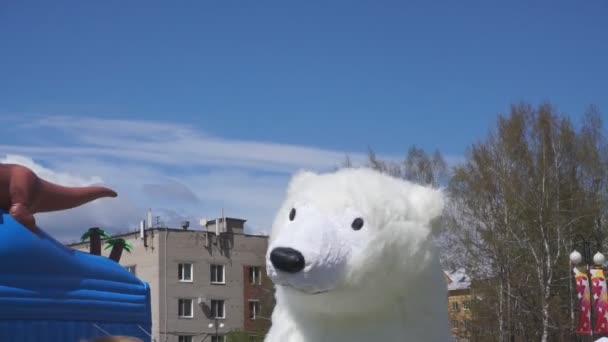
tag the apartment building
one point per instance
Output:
(204, 283)
(459, 299)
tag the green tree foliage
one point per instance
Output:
(94, 231)
(95, 234)
(238, 336)
(118, 245)
(517, 202)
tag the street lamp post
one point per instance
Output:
(216, 322)
(217, 327)
(576, 257)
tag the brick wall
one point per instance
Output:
(264, 294)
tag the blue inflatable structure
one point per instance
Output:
(53, 293)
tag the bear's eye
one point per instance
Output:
(357, 223)
(292, 214)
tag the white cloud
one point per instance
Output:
(240, 194)
(69, 224)
(178, 171)
(57, 177)
(170, 189)
(169, 144)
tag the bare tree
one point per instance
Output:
(516, 203)
(418, 166)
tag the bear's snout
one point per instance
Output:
(287, 259)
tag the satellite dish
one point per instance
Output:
(203, 222)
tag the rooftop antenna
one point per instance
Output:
(142, 232)
(224, 228)
(149, 217)
(203, 223)
(142, 228)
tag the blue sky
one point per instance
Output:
(267, 81)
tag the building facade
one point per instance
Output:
(459, 301)
(204, 283)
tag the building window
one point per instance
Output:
(254, 308)
(185, 272)
(466, 305)
(183, 338)
(185, 308)
(219, 338)
(218, 308)
(255, 275)
(217, 274)
(455, 306)
(131, 269)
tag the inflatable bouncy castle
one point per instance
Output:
(50, 292)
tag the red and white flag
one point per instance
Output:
(584, 302)
(600, 301)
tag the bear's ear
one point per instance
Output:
(425, 203)
(299, 180)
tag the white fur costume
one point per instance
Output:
(352, 261)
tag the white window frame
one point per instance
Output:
(184, 338)
(255, 278)
(181, 266)
(256, 313)
(214, 312)
(213, 270)
(179, 305)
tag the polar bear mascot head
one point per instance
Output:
(350, 253)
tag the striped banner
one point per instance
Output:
(600, 300)
(584, 302)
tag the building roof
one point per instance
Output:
(179, 230)
(458, 280)
(221, 219)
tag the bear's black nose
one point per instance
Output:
(287, 259)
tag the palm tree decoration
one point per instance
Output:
(118, 244)
(95, 234)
